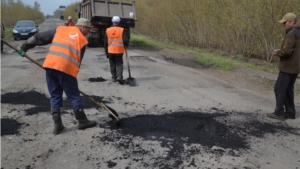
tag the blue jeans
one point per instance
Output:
(59, 82)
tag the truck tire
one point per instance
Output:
(90, 44)
(93, 42)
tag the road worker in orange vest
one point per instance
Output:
(69, 22)
(115, 42)
(62, 65)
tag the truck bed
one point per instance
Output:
(100, 12)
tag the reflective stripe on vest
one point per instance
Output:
(115, 40)
(65, 50)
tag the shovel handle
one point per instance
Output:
(99, 104)
(127, 62)
(32, 60)
(87, 96)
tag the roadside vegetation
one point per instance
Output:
(237, 27)
(208, 58)
(69, 11)
(13, 11)
(212, 58)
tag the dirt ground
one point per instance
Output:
(181, 115)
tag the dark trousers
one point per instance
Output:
(1, 46)
(284, 93)
(59, 82)
(116, 66)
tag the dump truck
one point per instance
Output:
(100, 13)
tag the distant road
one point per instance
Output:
(50, 24)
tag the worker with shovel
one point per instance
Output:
(62, 65)
(115, 42)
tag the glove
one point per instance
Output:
(21, 52)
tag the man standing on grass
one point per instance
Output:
(289, 68)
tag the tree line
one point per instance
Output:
(12, 11)
(246, 27)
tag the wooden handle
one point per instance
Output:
(87, 96)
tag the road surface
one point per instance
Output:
(177, 117)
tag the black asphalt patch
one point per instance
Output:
(10, 127)
(176, 131)
(97, 79)
(41, 102)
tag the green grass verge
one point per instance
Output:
(8, 33)
(210, 59)
(263, 68)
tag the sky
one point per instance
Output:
(49, 6)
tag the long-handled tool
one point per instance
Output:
(112, 113)
(131, 81)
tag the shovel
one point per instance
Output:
(112, 113)
(131, 81)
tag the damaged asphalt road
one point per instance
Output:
(178, 117)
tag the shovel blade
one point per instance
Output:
(113, 111)
(132, 82)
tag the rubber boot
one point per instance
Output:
(83, 122)
(58, 126)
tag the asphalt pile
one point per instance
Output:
(97, 79)
(10, 127)
(223, 133)
(180, 135)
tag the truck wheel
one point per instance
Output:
(90, 44)
(93, 42)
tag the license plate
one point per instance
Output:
(24, 33)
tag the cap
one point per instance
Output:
(70, 17)
(84, 22)
(116, 19)
(287, 17)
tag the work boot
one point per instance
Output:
(58, 126)
(275, 116)
(290, 116)
(120, 80)
(113, 78)
(83, 122)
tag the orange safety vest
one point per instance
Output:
(115, 40)
(69, 23)
(65, 50)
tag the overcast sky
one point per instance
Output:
(49, 6)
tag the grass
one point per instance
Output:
(263, 68)
(8, 33)
(215, 59)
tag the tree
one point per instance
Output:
(36, 6)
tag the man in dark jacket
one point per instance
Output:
(115, 42)
(289, 68)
